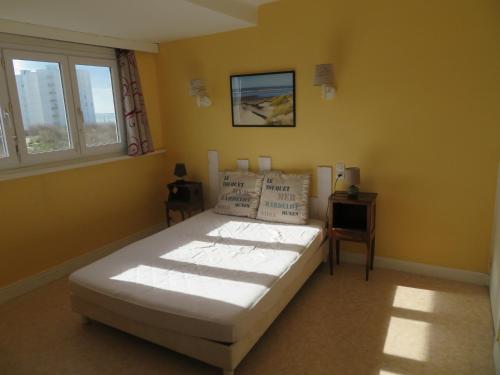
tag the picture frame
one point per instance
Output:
(263, 100)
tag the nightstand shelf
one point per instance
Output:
(352, 219)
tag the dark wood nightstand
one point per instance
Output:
(184, 196)
(352, 219)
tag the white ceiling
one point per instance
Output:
(140, 20)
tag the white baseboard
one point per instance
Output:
(25, 285)
(419, 268)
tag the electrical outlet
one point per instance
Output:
(339, 170)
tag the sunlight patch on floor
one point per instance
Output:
(414, 299)
(407, 338)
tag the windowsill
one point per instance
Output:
(67, 165)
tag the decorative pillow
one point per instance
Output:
(239, 194)
(285, 198)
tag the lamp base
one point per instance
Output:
(352, 192)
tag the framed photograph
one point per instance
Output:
(263, 100)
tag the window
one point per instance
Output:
(43, 111)
(96, 84)
(58, 105)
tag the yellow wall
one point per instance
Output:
(418, 109)
(48, 219)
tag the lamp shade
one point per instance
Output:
(323, 75)
(196, 87)
(352, 176)
(180, 170)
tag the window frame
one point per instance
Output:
(65, 54)
(44, 157)
(115, 82)
(12, 160)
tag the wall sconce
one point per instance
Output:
(323, 77)
(197, 88)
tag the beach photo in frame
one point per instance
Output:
(263, 99)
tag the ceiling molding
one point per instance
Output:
(28, 29)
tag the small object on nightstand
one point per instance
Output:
(184, 196)
(352, 219)
(352, 177)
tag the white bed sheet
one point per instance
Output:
(210, 276)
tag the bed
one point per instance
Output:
(208, 287)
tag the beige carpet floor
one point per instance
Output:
(396, 323)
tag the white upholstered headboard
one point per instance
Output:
(317, 205)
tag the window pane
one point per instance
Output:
(97, 105)
(3, 146)
(42, 103)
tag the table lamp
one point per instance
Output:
(180, 171)
(352, 179)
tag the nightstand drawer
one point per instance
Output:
(350, 235)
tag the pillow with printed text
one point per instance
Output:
(239, 194)
(285, 198)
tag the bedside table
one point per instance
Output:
(184, 196)
(352, 219)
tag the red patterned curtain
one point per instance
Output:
(136, 121)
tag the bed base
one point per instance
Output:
(225, 356)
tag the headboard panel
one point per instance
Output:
(213, 177)
(317, 205)
(265, 163)
(243, 165)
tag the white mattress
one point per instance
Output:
(211, 276)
